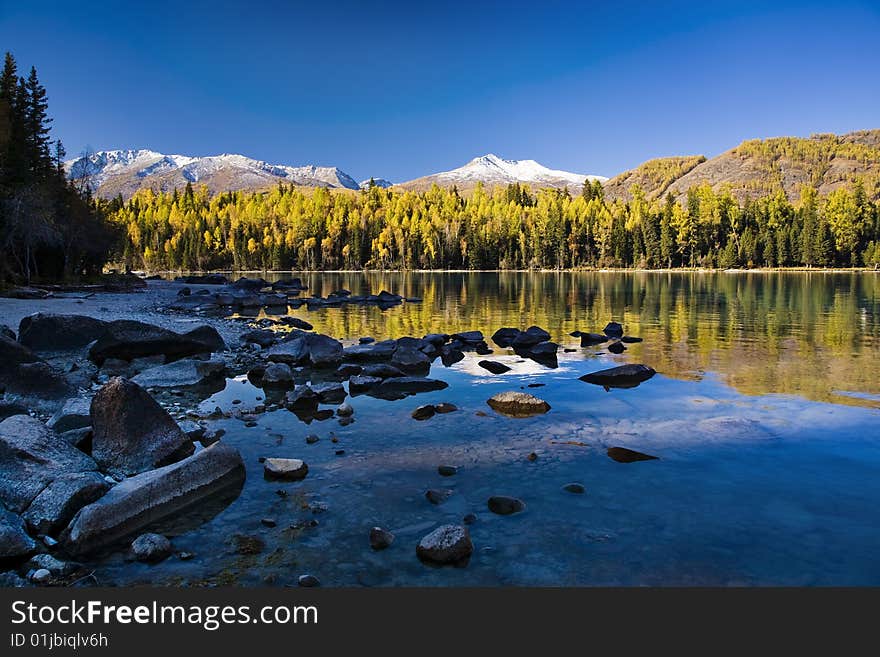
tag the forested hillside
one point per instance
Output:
(48, 229)
(507, 227)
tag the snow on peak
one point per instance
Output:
(492, 169)
(378, 182)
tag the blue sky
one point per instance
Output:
(399, 90)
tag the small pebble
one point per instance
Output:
(311, 439)
(532, 457)
(574, 487)
(268, 522)
(340, 452)
(308, 581)
(469, 519)
(447, 470)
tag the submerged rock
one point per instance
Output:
(625, 376)
(285, 469)
(131, 432)
(151, 548)
(146, 498)
(380, 538)
(517, 404)
(494, 366)
(624, 455)
(504, 505)
(447, 544)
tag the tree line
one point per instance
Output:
(509, 227)
(50, 229)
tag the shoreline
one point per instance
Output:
(673, 270)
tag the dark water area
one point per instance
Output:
(764, 415)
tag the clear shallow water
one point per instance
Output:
(767, 473)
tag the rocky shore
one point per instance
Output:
(101, 438)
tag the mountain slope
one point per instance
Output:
(125, 171)
(492, 170)
(760, 167)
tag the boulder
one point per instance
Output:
(146, 498)
(590, 339)
(181, 373)
(347, 370)
(261, 337)
(382, 371)
(375, 351)
(438, 495)
(531, 336)
(51, 332)
(127, 339)
(410, 360)
(624, 376)
(361, 383)
(629, 339)
(40, 380)
(301, 398)
(32, 456)
(75, 414)
(285, 469)
(494, 366)
(447, 544)
(436, 339)
(13, 354)
(449, 355)
(504, 505)
(131, 432)
(53, 508)
(445, 407)
(292, 352)
(151, 548)
(296, 322)
(250, 284)
(14, 540)
(468, 336)
(518, 404)
(329, 393)
(324, 351)
(400, 387)
(277, 375)
(7, 332)
(504, 337)
(8, 409)
(613, 330)
(617, 347)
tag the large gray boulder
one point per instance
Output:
(31, 457)
(56, 504)
(324, 351)
(376, 351)
(14, 540)
(51, 332)
(291, 352)
(181, 373)
(147, 498)
(127, 339)
(131, 432)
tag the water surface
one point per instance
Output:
(764, 414)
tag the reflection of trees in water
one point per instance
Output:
(800, 333)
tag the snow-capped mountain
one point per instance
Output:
(125, 171)
(493, 170)
(378, 182)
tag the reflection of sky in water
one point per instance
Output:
(760, 480)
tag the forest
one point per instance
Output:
(50, 229)
(510, 227)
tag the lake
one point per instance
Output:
(764, 415)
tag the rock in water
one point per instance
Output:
(493, 366)
(285, 469)
(380, 538)
(329, 393)
(424, 412)
(469, 336)
(131, 432)
(624, 455)
(181, 373)
(51, 332)
(14, 541)
(447, 470)
(401, 386)
(504, 337)
(617, 347)
(308, 581)
(277, 375)
(613, 330)
(574, 487)
(151, 548)
(344, 410)
(438, 495)
(447, 544)
(625, 376)
(55, 506)
(144, 499)
(505, 506)
(629, 339)
(445, 407)
(590, 339)
(518, 404)
(530, 337)
(324, 351)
